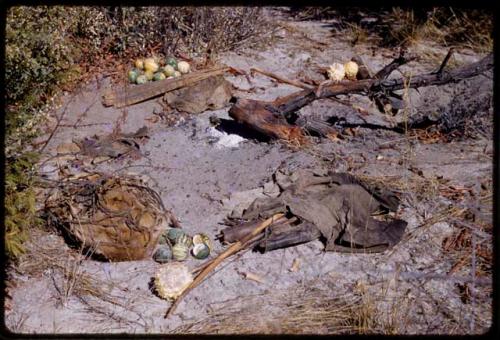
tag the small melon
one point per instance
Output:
(151, 65)
(177, 74)
(149, 75)
(133, 74)
(201, 251)
(169, 70)
(180, 251)
(173, 234)
(163, 254)
(142, 79)
(159, 76)
(172, 62)
(139, 63)
(183, 67)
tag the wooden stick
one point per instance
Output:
(230, 251)
(387, 70)
(283, 80)
(445, 61)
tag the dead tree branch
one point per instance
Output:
(270, 117)
(387, 70)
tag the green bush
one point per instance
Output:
(20, 208)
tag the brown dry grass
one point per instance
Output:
(396, 26)
(302, 310)
(47, 253)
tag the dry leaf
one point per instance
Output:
(253, 277)
(295, 265)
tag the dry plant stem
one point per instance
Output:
(214, 263)
(282, 80)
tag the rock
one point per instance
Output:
(68, 148)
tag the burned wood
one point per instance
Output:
(256, 115)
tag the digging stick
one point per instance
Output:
(215, 262)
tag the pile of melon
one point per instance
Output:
(154, 69)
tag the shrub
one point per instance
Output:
(400, 26)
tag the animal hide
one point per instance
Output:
(338, 205)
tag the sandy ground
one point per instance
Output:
(194, 167)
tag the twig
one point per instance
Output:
(445, 61)
(282, 80)
(237, 246)
(387, 70)
(59, 120)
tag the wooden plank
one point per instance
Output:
(132, 94)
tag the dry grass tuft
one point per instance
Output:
(317, 311)
(398, 26)
(48, 254)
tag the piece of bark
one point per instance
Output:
(208, 94)
(257, 116)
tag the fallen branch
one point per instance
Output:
(228, 252)
(387, 70)
(270, 117)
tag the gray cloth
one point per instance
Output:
(337, 204)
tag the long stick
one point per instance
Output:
(230, 251)
(283, 80)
